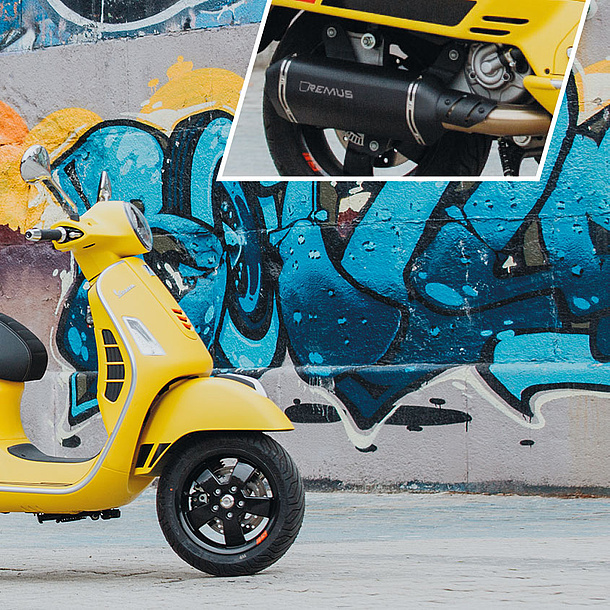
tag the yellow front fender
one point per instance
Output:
(202, 405)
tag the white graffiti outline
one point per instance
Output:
(69, 15)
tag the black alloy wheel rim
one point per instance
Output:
(228, 504)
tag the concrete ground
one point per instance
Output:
(355, 551)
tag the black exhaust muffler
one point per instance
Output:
(377, 101)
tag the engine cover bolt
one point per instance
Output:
(374, 145)
(331, 32)
(368, 42)
(454, 55)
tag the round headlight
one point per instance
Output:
(140, 225)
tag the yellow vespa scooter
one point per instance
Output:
(230, 500)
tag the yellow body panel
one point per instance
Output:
(108, 237)
(10, 413)
(545, 90)
(543, 30)
(209, 403)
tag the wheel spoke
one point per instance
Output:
(207, 481)
(242, 473)
(258, 506)
(233, 534)
(199, 516)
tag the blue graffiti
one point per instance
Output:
(371, 289)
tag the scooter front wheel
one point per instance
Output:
(231, 504)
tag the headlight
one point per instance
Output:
(140, 225)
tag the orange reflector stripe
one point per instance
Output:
(261, 537)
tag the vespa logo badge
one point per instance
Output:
(122, 293)
(307, 87)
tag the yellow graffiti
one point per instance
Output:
(180, 68)
(20, 205)
(593, 83)
(187, 91)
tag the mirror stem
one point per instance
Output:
(62, 198)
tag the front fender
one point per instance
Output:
(202, 405)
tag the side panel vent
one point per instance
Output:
(489, 31)
(183, 319)
(115, 368)
(509, 20)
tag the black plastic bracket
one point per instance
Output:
(110, 513)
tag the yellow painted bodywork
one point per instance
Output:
(209, 403)
(544, 90)
(544, 40)
(127, 289)
(107, 238)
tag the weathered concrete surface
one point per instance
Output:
(118, 71)
(355, 550)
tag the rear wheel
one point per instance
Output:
(303, 150)
(230, 505)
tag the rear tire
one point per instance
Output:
(232, 504)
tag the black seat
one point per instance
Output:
(22, 355)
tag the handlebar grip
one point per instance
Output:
(45, 234)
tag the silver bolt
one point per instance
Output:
(368, 41)
(454, 55)
(522, 140)
(233, 489)
(217, 492)
(215, 507)
(229, 515)
(331, 32)
(202, 497)
(374, 145)
(241, 504)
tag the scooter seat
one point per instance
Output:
(23, 357)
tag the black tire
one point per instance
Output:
(205, 491)
(303, 150)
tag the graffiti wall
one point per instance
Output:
(442, 333)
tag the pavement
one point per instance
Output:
(404, 550)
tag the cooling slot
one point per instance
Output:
(115, 368)
(489, 31)
(182, 317)
(510, 20)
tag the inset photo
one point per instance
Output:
(404, 89)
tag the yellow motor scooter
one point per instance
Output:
(230, 500)
(421, 87)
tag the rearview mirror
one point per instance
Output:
(35, 164)
(36, 167)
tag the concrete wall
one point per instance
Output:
(440, 333)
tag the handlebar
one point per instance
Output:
(46, 234)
